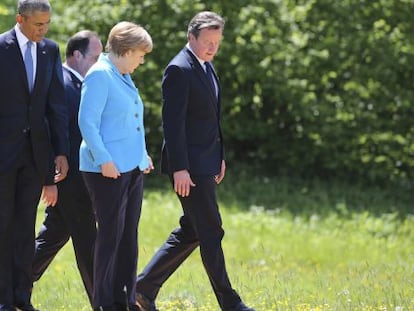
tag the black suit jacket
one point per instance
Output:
(191, 118)
(43, 110)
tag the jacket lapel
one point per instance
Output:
(41, 61)
(77, 84)
(203, 77)
(13, 45)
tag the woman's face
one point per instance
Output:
(132, 60)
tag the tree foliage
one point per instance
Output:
(316, 87)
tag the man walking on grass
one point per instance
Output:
(193, 157)
(69, 212)
(32, 127)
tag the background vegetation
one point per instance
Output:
(310, 88)
(317, 201)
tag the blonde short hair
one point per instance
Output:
(126, 36)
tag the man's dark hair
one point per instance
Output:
(79, 42)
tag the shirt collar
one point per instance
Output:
(77, 74)
(21, 38)
(202, 62)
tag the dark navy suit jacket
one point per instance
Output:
(191, 118)
(43, 110)
(72, 93)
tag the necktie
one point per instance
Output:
(28, 62)
(210, 76)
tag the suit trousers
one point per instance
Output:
(200, 225)
(117, 204)
(20, 190)
(72, 217)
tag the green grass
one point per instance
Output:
(289, 245)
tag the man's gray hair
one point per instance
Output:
(205, 19)
(27, 7)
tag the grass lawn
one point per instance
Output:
(288, 246)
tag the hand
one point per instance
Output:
(61, 168)
(218, 178)
(150, 166)
(50, 195)
(182, 183)
(109, 170)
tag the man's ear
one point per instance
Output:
(19, 18)
(77, 54)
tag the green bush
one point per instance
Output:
(310, 88)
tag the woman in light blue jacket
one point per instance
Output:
(113, 159)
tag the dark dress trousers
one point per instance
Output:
(31, 123)
(73, 216)
(192, 141)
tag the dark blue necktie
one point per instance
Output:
(210, 76)
(28, 62)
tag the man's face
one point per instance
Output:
(91, 56)
(35, 25)
(207, 43)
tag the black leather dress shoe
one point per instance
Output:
(145, 304)
(134, 308)
(106, 308)
(123, 307)
(241, 307)
(26, 307)
(4, 307)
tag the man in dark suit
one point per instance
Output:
(32, 125)
(71, 215)
(193, 156)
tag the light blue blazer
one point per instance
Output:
(111, 120)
